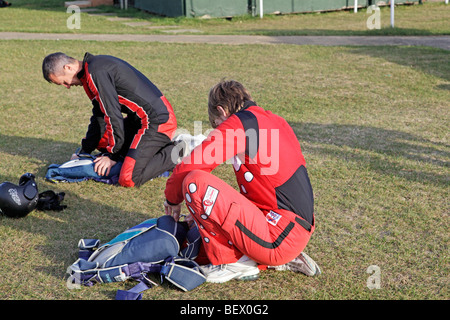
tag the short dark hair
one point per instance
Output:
(230, 95)
(54, 62)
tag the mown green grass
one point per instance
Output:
(51, 16)
(372, 123)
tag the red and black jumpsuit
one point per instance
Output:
(142, 140)
(271, 219)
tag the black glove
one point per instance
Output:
(49, 200)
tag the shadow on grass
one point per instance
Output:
(83, 218)
(387, 152)
(62, 231)
(46, 151)
(431, 61)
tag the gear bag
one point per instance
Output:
(81, 169)
(153, 246)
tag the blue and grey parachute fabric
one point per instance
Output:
(81, 169)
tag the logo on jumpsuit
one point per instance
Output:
(209, 199)
(273, 217)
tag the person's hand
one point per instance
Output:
(103, 165)
(190, 220)
(172, 210)
(74, 156)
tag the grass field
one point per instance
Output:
(372, 122)
(50, 16)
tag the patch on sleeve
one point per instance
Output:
(273, 217)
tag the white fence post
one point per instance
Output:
(261, 9)
(392, 12)
(124, 4)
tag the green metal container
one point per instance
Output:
(228, 8)
(294, 6)
(169, 8)
(216, 8)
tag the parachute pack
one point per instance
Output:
(81, 169)
(155, 246)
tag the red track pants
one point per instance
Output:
(231, 225)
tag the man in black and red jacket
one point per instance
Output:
(270, 220)
(143, 139)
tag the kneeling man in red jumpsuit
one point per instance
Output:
(270, 221)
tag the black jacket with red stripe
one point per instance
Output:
(267, 160)
(115, 88)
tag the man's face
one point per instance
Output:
(66, 77)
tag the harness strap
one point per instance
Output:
(180, 275)
(134, 293)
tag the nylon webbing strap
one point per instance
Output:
(305, 224)
(134, 293)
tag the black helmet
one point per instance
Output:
(17, 201)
